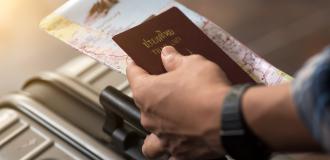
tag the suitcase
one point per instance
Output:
(58, 115)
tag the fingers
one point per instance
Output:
(172, 158)
(152, 147)
(135, 74)
(171, 58)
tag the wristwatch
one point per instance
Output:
(238, 140)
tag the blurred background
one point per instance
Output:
(284, 32)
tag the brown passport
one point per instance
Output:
(144, 43)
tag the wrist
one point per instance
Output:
(272, 116)
(237, 138)
(214, 100)
(219, 95)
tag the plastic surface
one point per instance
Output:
(29, 130)
(21, 138)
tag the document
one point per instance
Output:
(90, 26)
(144, 44)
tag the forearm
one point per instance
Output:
(272, 116)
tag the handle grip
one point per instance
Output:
(123, 106)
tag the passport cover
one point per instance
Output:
(144, 43)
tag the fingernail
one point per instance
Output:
(168, 51)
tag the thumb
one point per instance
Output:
(171, 58)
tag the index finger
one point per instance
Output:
(135, 74)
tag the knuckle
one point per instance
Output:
(137, 95)
(175, 62)
(171, 64)
(144, 103)
(210, 65)
(196, 57)
(137, 80)
(138, 91)
(148, 109)
(137, 98)
(143, 92)
(129, 68)
(146, 122)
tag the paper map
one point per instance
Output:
(89, 26)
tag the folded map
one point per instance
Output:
(89, 27)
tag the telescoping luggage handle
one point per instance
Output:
(114, 101)
(119, 108)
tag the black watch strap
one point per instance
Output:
(237, 139)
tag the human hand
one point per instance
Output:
(181, 107)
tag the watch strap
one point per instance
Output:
(237, 139)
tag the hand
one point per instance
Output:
(181, 107)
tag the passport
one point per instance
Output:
(144, 44)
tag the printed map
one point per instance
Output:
(89, 26)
